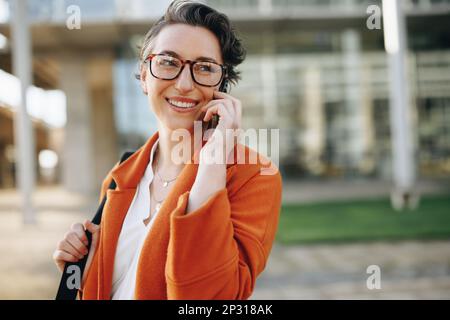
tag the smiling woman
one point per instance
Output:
(200, 229)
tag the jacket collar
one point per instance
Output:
(128, 174)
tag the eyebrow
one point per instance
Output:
(176, 55)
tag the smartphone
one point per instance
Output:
(215, 118)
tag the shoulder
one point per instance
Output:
(251, 169)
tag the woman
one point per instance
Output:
(199, 229)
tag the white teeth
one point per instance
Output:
(182, 104)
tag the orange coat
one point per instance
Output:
(214, 252)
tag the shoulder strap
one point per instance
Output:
(73, 271)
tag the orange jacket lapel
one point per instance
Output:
(127, 176)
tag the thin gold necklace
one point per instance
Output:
(165, 182)
(158, 203)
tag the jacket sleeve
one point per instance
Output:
(218, 250)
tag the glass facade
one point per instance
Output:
(326, 130)
(57, 11)
(327, 91)
(134, 120)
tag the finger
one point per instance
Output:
(219, 109)
(226, 104)
(79, 230)
(78, 246)
(210, 112)
(227, 101)
(226, 96)
(70, 249)
(91, 227)
(222, 95)
(60, 255)
(211, 104)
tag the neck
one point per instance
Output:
(168, 167)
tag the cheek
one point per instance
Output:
(208, 94)
(156, 88)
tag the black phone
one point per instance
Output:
(215, 118)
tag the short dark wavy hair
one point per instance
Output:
(198, 14)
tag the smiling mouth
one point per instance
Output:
(183, 105)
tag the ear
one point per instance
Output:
(143, 78)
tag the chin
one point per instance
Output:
(180, 124)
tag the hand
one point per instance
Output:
(229, 110)
(74, 246)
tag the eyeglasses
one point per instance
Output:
(205, 73)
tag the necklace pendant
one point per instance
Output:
(165, 184)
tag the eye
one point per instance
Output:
(168, 62)
(205, 67)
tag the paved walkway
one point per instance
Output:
(409, 270)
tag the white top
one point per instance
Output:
(132, 237)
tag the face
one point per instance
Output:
(188, 43)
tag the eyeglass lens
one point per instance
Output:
(168, 68)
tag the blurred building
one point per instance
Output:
(43, 136)
(314, 69)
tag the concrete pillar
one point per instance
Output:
(78, 156)
(265, 7)
(103, 130)
(24, 139)
(354, 113)
(269, 81)
(312, 115)
(367, 166)
(394, 26)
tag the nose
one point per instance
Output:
(184, 81)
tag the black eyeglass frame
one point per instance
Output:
(191, 66)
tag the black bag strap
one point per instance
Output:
(67, 289)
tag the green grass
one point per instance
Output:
(363, 220)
